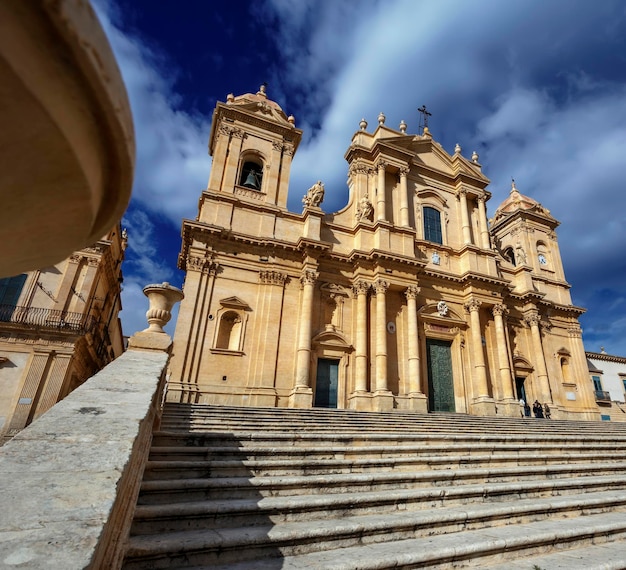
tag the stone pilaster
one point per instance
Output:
(505, 376)
(482, 403)
(465, 223)
(404, 198)
(416, 395)
(232, 163)
(383, 398)
(532, 319)
(484, 228)
(381, 214)
(360, 399)
(302, 395)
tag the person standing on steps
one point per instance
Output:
(527, 409)
(537, 409)
(522, 407)
(546, 410)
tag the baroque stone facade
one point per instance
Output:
(58, 326)
(407, 298)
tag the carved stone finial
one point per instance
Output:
(162, 298)
(475, 157)
(457, 148)
(291, 119)
(230, 97)
(403, 127)
(363, 124)
(381, 118)
(314, 196)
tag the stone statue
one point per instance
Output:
(365, 209)
(314, 196)
(520, 254)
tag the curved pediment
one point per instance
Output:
(332, 339)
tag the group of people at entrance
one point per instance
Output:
(538, 410)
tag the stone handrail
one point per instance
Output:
(69, 482)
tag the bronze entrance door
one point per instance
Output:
(440, 382)
(326, 384)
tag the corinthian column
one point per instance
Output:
(545, 394)
(484, 228)
(480, 372)
(381, 286)
(404, 198)
(467, 236)
(506, 378)
(303, 361)
(414, 357)
(360, 381)
(380, 194)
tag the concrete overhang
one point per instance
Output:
(67, 145)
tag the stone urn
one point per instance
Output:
(162, 298)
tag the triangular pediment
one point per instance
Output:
(235, 303)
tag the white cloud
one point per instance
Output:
(172, 160)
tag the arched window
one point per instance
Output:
(509, 255)
(432, 225)
(229, 332)
(565, 371)
(251, 175)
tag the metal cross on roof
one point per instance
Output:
(425, 114)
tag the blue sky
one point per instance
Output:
(536, 87)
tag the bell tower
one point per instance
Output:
(252, 143)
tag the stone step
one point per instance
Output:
(215, 514)
(185, 412)
(187, 468)
(195, 547)
(519, 547)
(259, 437)
(257, 487)
(259, 453)
(230, 424)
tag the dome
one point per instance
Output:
(517, 201)
(260, 98)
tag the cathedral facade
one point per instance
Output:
(407, 298)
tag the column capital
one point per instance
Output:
(472, 305)
(575, 332)
(381, 286)
(461, 192)
(404, 171)
(412, 291)
(500, 310)
(482, 198)
(361, 287)
(309, 277)
(532, 319)
(381, 165)
(272, 277)
(277, 145)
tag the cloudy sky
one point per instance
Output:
(536, 87)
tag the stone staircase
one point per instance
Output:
(266, 488)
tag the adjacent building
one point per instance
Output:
(407, 298)
(58, 326)
(608, 376)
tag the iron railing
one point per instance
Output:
(602, 396)
(53, 319)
